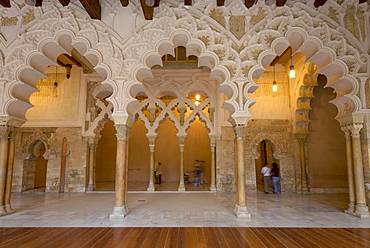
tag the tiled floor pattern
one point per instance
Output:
(37, 209)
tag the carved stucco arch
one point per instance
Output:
(276, 145)
(51, 145)
(166, 45)
(27, 62)
(327, 63)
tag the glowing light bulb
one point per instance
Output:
(292, 72)
(197, 97)
(197, 103)
(274, 87)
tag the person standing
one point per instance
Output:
(266, 177)
(275, 176)
(158, 173)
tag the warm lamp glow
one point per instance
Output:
(197, 103)
(274, 87)
(292, 72)
(197, 97)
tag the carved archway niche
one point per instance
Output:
(279, 142)
(34, 167)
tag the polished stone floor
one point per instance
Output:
(191, 209)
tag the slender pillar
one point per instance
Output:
(151, 170)
(9, 175)
(63, 164)
(301, 137)
(4, 143)
(92, 161)
(182, 145)
(351, 187)
(120, 207)
(213, 165)
(361, 209)
(241, 209)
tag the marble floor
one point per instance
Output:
(193, 209)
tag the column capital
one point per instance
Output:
(122, 132)
(355, 129)
(239, 131)
(301, 137)
(4, 132)
(346, 131)
(13, 133)
(151, 139)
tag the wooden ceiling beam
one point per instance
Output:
(363, 1)
(148, 10)
(38, 3)
(93, 8)
(188, 2)
(220, 2)
(156, 3)
(5, 3)
(249, 3)
(280, 3)
(64, 2)
(319, 3)
(124, 3)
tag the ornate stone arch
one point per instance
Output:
(37, 50)
(328, 62)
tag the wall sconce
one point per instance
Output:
(274, 86)
(291, 69)
(68, 70)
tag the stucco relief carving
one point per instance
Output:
(44, 135)
(171, 17)
(154, 111)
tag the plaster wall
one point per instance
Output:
(271, 105)
(105, 166)
(60, 105)
(327, 165)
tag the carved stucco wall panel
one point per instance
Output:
(278, 134)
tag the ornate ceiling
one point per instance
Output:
(94, 8)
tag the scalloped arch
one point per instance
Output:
(326, 61)
(35, 62)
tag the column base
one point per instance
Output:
(213, 187)
(362, 211)
(2, 210)
(8, 208)
(151, 187)
(305, 191)
(119, 212)
(181, 187)
(241, 211)
(90, 187)
(351, 209)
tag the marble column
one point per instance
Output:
(92, 161)
(240, 209)
(9, 175)
(361, 209)
(182, 145)
(151, 168)
(120, 207)
(213, 165)
(301, 137)
(351, 187)
(4, 143)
